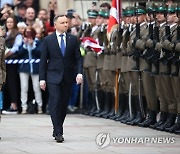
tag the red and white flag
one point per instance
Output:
(115, 14)
(92, 44)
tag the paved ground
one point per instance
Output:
(31, 134)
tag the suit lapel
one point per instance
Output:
(56, 44)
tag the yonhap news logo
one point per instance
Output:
(104, 139)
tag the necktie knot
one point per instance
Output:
(61, 35)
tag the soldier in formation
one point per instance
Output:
(136, 76)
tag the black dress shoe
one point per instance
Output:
(59, 138)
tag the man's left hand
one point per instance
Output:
(79, 78)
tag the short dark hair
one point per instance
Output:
(107, 5)
(60, 15)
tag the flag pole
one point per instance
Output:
(117, 77)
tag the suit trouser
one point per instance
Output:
(149, 88)
(59, 95)
(169, 94)
(176, 90)
(160, 94)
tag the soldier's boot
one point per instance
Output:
(175, 127)
(139, 116)
(100, 101)
(126, 110)
(162, 120)
(150, 120)
(112, 110)
(110, 105)
(94, 107)
(128, 116)
(169, 122)
(121, 107)
(134, 110)
(106, 104)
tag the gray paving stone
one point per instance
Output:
(31, 134)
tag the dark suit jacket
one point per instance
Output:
(53, 66)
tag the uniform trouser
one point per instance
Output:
(134, 79)
(124, 82)
(111, 81)
(176, 90)
(90, 76)
(160, 94)
(149, 89)
(169, 94)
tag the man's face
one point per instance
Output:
(99, 20)
(141, 18)
(30, 14)
(92, 21)
(171, 18)
(160, 17)
(42, 15)
(61, 24)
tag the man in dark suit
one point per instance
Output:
(60, 57)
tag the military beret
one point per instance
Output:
(171, 9)
(103, 13)
(129, 11)
(177, 8)
(92, 13)
(151, 7)
(162, 8)
(140, 10)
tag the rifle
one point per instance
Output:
(176, 60)
(136, 52)
(136, 57)
(118, 43)
(149, 50)
(167, 55)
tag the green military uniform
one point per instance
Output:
(133, 45)
(165, 75)
(149, 86)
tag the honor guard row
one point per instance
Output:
(136, 76)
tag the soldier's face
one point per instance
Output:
(171, 18)
(128, 20)
(92, 21)
(141, 18)
(99, 20)
(160, 17)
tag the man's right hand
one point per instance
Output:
(42, 84)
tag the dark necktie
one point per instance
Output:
(62, 44)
